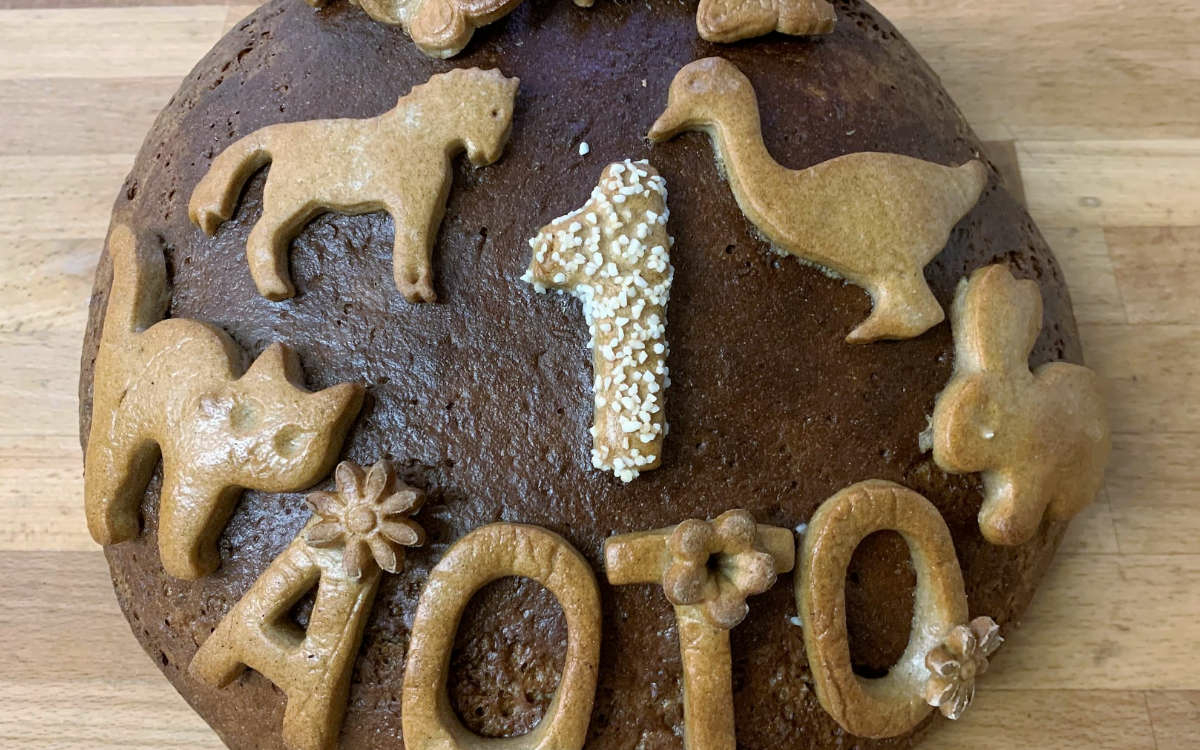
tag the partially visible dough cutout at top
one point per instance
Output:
(613, 254)
(398, 162)
(439, 28)
(175, 388)
(731, 20)
(1041, 439)
(873, 219)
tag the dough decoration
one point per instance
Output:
(398, 162)
(311, 666)
(173, 388)
(439, 28)
(613, 253)
(368, 517)
(955, 664)
(1040, 439)
(894, 704)
(743, 556)
(873, 219)
(484, 555)
(741, 569)
(731, 20)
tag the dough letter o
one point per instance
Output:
(893, 704)
(484, 555)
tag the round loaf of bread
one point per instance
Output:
(484, 398)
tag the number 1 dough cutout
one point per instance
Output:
(398, 162)
(873, 219)
(173, 388)
(1041, 439)
(613, 254)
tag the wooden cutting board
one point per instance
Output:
(1093, 107)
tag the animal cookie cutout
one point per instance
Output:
(398, 162)
(943, 656)
(874, 219)
(707, 570)
(439, 28)
(174, 388)
(613, 254)
(313, 666)
(731, 20)
(484, 555)
(1040, 439)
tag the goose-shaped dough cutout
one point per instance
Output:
(726, 21)
(1040, 439)
(873, 219)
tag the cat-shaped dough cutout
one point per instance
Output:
(726, 21)
(398, 162)
(175, 388)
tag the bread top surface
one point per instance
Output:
(484, 398)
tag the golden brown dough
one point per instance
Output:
(398, 162)
(173, 388)
(1041, 439)
(873, 219)
(707, 569)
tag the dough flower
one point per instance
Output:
(714, 564)
(368, 517)
(955, 664)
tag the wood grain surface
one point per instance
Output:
(1093, 106)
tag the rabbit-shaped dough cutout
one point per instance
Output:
(1040, 439)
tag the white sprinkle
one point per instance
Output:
(584, 148)
(622, 305)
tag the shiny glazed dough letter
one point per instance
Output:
(707, 570)
(484, 555)
(890, 705)
(312, 667)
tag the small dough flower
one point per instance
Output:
(368, 517)
(955, 664)
(715, 564)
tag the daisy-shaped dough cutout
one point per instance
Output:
(368, 516)
(955, 664)
(715, 564)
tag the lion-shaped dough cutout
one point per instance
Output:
(398, 162)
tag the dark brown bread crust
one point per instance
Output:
(484, 398)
